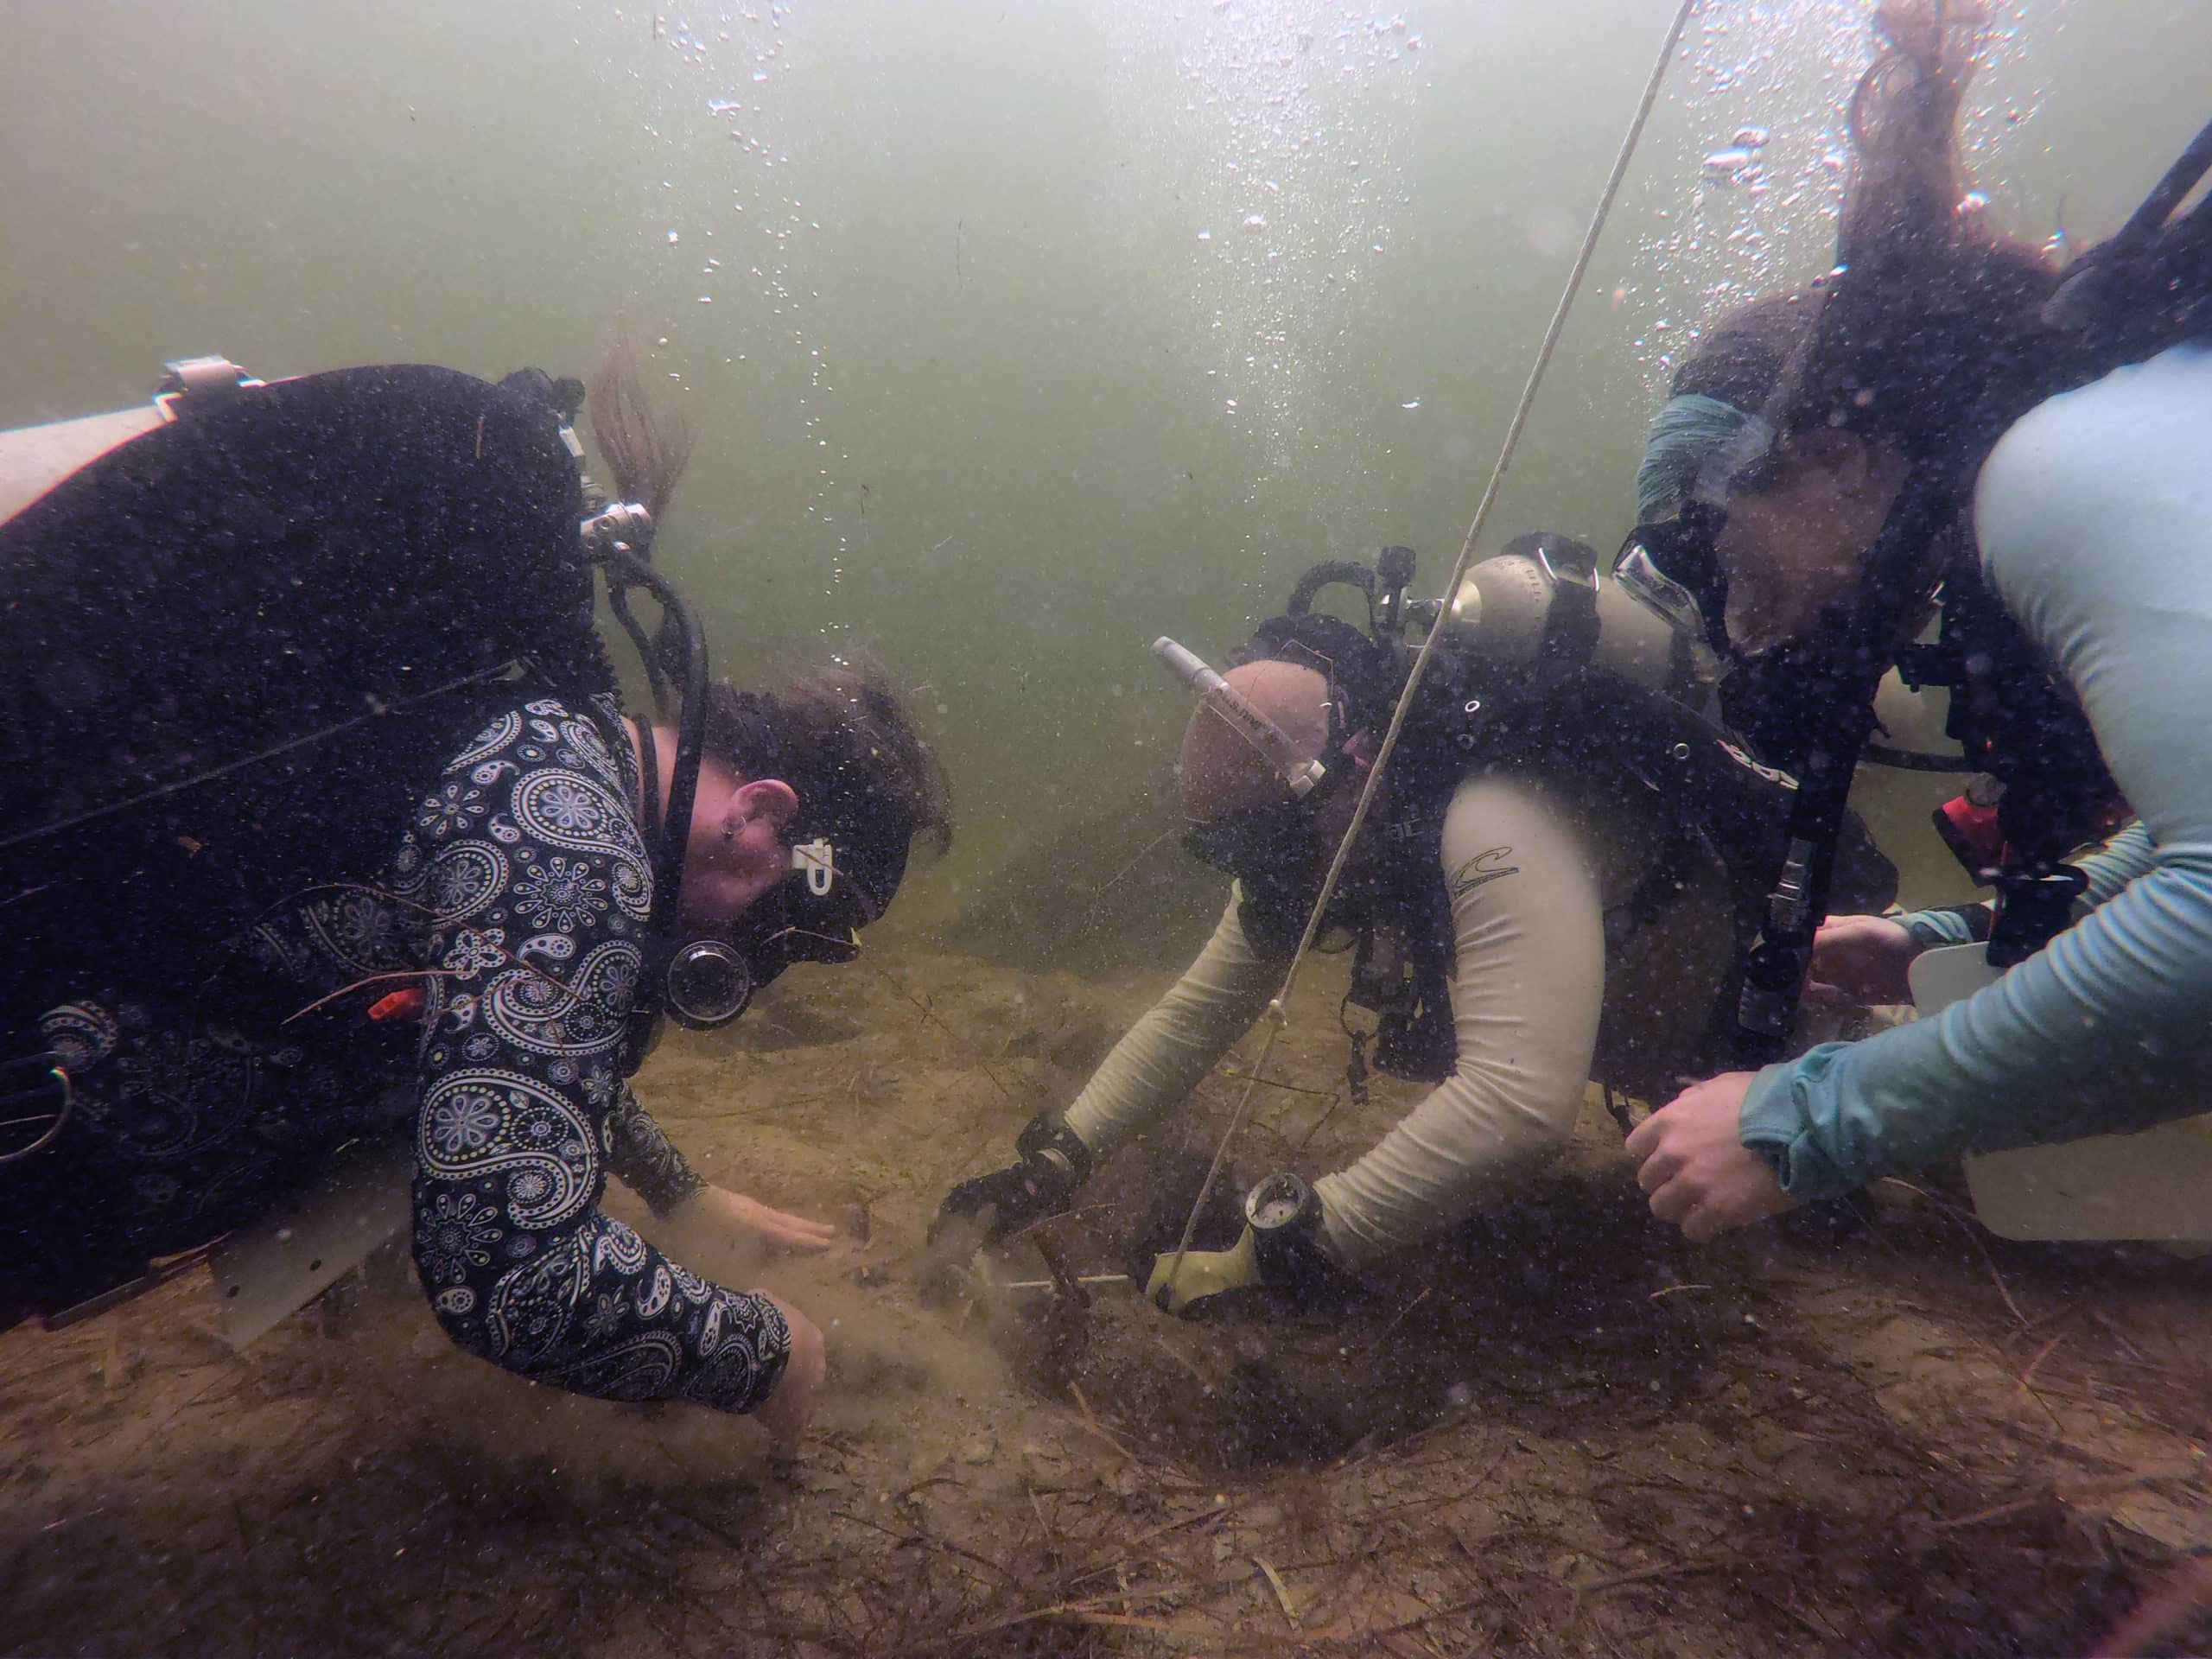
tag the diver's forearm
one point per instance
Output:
(1168, 1052)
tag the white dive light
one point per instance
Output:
(1296, 769)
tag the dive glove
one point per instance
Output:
(1053, 1163)
(1280, 1250)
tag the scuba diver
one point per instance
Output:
(1543, 894)
(326, 827)
(1948, 423)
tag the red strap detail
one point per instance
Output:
(400, 1004)
(1971, 833)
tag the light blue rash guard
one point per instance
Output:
(2095, 520)
(2109, 869)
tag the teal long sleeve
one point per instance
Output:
(2109, 869)
(2095, 520)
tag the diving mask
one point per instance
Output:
(1672, 567)
(710, 982)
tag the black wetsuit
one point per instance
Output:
(518, 899)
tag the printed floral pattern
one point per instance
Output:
(561, 894)
(523, 1108)
(524, 886)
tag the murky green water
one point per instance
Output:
(1012, 335)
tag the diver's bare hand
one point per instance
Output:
(1691, 1158)
(743, 1220)
(785, 1413)
(1862, 961)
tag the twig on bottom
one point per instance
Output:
(1384, 1335)
(1090, 1421)
(1673, 1570)
(930, 1016)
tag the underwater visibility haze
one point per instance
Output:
(1011, 337)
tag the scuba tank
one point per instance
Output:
(1541, 655)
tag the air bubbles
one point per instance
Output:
(1731, 166)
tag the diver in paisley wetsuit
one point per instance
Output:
(478, 989)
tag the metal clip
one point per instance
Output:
(819, 860)
(198, 377)
(625, 524)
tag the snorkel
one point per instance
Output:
(1299, 772)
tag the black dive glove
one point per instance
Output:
(1054, 1162)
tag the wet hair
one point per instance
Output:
(1930, 337)
(1742, 357)
(647, 444)
(840, 736)
(846, 742)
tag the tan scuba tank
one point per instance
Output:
(1504, 609)
(34, 459)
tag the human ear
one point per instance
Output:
(766, 797)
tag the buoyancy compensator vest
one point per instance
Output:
(2145, 290)
(1547, 661)
(238, 645)
(244, 635)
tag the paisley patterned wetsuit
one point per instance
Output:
(522, 891)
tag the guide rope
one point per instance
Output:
(1278, 1008)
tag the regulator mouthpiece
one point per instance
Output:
(1297, 770)
(710, 983)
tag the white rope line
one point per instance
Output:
(1278, 1009)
